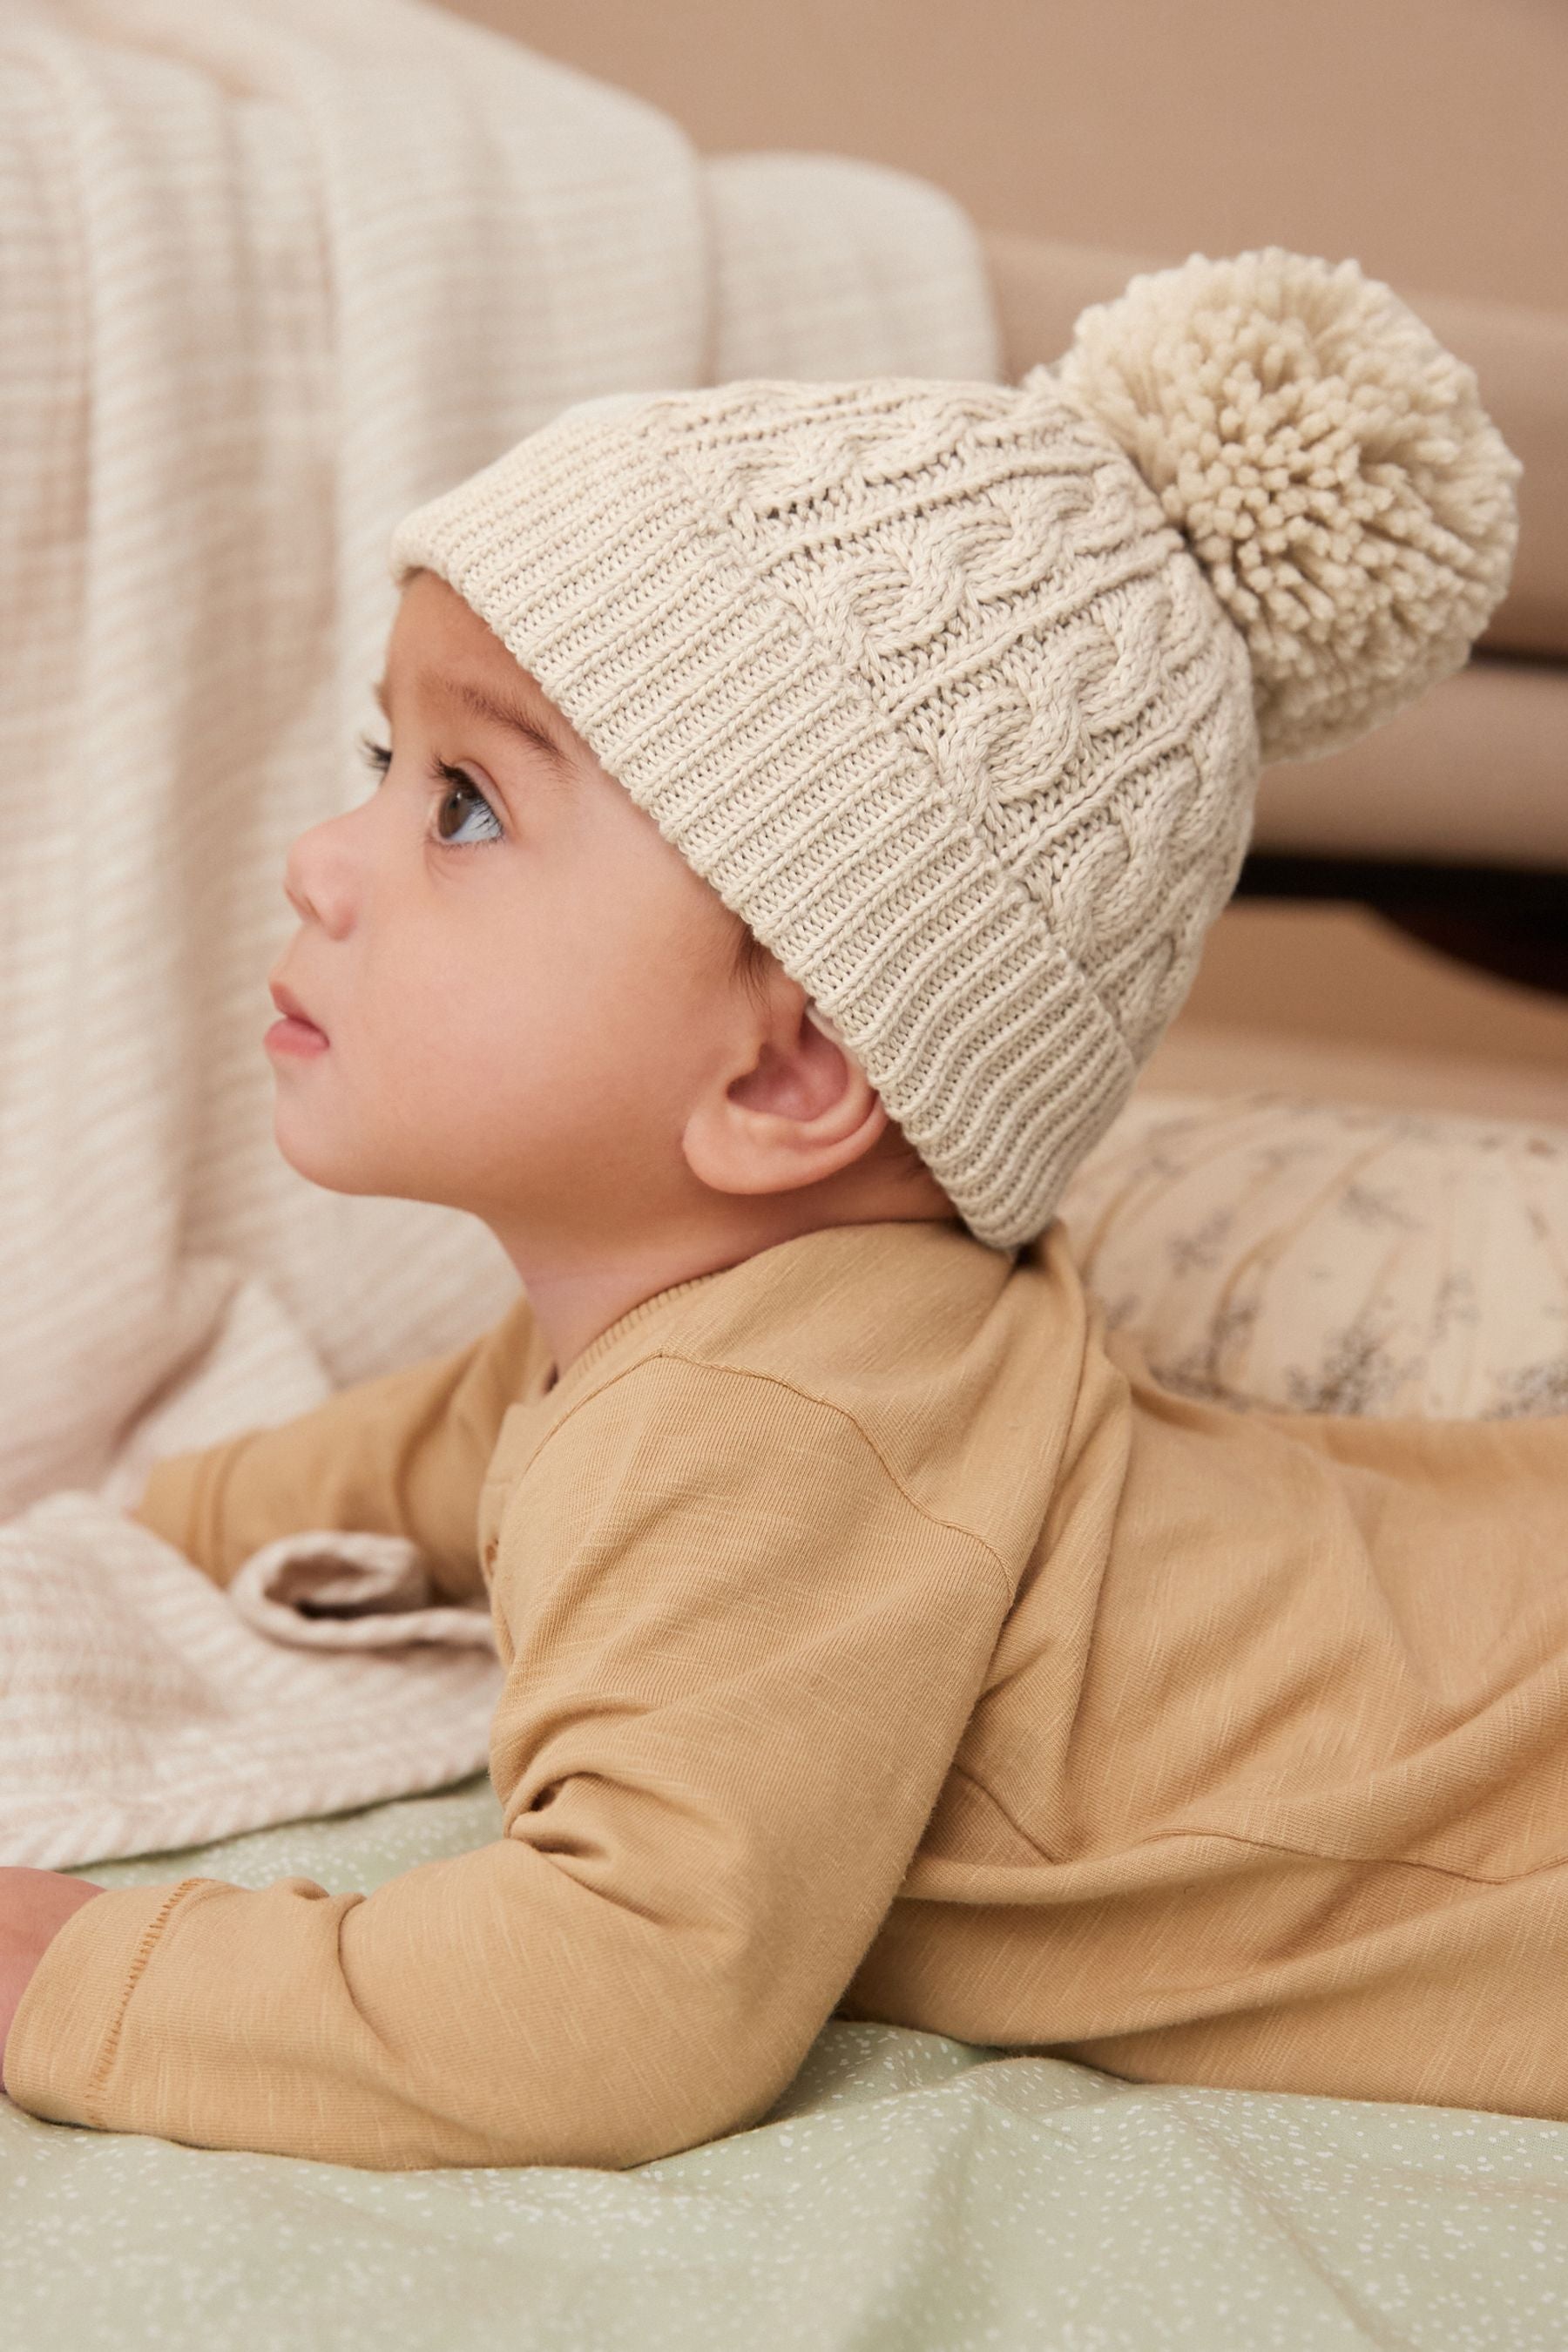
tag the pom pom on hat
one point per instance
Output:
(1330, 467)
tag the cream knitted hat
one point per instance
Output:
(957, 692)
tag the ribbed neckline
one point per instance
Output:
(634, 1315)
(607, 1338)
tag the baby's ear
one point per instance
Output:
(800, 1109)
(803, 1069)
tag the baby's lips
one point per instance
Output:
(289, 1004)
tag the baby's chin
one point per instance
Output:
(337, 1164)
(320, 1158)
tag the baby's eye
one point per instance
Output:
(461, 790)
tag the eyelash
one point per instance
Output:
(379, 757)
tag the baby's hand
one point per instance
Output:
(34, 1907)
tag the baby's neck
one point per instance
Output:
(578, 1291)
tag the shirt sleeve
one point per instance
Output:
(739, 1659)
(404, 1454)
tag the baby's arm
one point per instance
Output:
(404, 1454)
(740, 1660)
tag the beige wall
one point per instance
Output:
(1424, 138)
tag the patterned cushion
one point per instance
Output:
(1321, 1257)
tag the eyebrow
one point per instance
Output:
(502, 712)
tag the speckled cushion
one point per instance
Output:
(1321, 1257)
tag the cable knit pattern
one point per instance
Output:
(953, 690)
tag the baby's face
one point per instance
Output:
(519, 981)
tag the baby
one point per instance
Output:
(800, 812)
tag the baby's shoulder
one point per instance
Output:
(932, 1351)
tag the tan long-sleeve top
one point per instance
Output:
(880, 1636)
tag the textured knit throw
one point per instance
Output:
(957, 692)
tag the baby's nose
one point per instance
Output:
(318, 878)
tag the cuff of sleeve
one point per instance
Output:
(62, 2039)
(169, 1499)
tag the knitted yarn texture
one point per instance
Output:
(1332, 467)
(957, 693)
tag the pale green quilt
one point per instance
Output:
(907, 2192)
